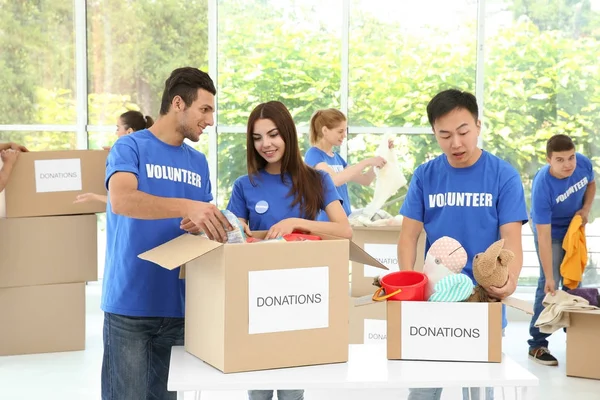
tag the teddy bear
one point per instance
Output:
(490, 268)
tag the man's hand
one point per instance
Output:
(549, 286)
(503, 292)
(208, 219)
(281, 228)
(585, 213)
(188, 226)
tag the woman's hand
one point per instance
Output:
(281, 228)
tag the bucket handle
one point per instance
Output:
(376, 296)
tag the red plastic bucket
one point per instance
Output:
(402, 286)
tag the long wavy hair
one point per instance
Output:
(307, 183)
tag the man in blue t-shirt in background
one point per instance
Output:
(563, 188)
(157, 185)
(465, 193)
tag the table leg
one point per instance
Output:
(524, 392)
(180, 395)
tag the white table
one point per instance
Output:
(367, 368)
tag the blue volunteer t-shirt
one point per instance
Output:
(555, 201)
(467, 204)
(132, 286)
(315, 156)
(267, 202)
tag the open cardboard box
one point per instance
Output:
(257, 306)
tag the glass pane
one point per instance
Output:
(278, 50)
(403, 53)
(132, 48)
(412, 151)
(38, 62)
(41, 141)
(541, 78)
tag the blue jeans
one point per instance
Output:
(281, 394)
(137, 352)
(436, 394)
(539, 339)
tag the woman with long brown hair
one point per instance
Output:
(281, 193)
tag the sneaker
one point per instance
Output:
(541, 355)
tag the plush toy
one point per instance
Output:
(490, 268)
(445, 257)
(452, 288)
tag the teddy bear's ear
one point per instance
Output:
(505, 256)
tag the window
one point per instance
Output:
(38, 57)
(403, 53)
(272, 50)
(541, 78)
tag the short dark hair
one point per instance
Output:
(559, 143)
(185, 82)
(449, 100)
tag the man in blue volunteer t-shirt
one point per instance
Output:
(465, 193)
(157, 184)
(560, 190)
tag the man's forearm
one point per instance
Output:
(545, 253)
(407, 252)
(588, 197)
(140, 205)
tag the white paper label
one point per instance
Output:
(288, 299)
(57, 175)
(387, 254)
(375, 331)
(444, 331)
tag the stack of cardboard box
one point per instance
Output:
(48, 250)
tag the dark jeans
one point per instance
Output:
(137, 352)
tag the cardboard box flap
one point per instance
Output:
(359, 255)
(179, 251)
(519, 304)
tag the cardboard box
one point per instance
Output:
(421, 330)
(42, 319)
(367, 321)
(382, 244)
(583, 348)
(264, 305)
(48, 250)
(47, 182)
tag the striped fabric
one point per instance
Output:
(452, 288)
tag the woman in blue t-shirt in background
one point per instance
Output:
(281, 193)
(328, 129)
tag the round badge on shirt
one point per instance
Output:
(261, 207)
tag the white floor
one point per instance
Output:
(76, 375)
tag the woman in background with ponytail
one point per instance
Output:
(328, 129)
(127, 123)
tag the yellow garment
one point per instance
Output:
(575, 247)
